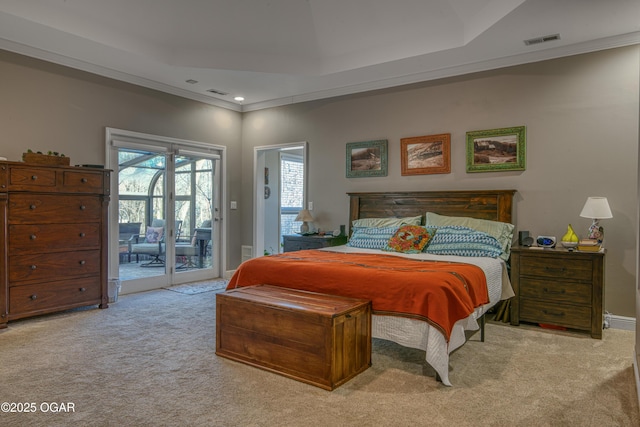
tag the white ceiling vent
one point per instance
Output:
(542, 39)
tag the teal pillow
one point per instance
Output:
(371, 237)
(502, 231)
(463, 241)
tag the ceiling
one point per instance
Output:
(278, 52)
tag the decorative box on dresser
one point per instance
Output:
(53, 254)
(558, 287)
(298, 242)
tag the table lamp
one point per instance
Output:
(596, 208)
(305, 216)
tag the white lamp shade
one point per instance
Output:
(596, 208)
(304, 215)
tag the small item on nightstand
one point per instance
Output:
(589, 245)
(546, 241)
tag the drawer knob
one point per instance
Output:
(82, 207)
(81, 234)
(553, 313)
(33, 267)
(83, 180)
(34, 177)
(34, 296)
(82, 262)
(32, 207)
(32, 237)
(552, 291)
(83, 289)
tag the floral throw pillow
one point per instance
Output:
(154, 234)
(410, 239)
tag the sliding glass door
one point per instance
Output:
(196, 211)
(166, 205)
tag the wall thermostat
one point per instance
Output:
(546, 241)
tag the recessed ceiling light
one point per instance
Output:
(239, 98)
(191, 81)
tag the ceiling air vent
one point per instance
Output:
(217, 92)
(191, 81)
(542, 39)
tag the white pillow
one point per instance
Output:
(387, 222)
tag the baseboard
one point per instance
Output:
(621, 322)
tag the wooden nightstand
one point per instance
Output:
(297, 243)
(558, 287)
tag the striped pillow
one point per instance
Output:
(463, 241)
(371, 237)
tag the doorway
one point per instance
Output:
(273, 215)
(165, 210)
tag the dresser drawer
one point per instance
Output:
(570, 316)
(297, 245)
(49, 208)
(556, 291)
(24, 239)
(57, 265)
(31, 178)
(557, 268)
(82, 181)
(46, 296)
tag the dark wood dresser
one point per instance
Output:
(558, 287)
(54, 239)
(298, 243)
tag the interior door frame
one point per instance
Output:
(258, 187)
(119, 137)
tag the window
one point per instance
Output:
(291, 192)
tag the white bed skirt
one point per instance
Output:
(419, 334)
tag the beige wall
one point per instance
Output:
(581, 115)
(49, 107)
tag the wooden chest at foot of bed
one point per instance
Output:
(319, 339)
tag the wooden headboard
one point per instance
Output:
(494, 205)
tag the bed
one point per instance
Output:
(462, 288)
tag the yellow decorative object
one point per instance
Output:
(570, 239)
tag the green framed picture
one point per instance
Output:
(367, 158)
(494, 150)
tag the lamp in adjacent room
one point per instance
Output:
(596, 208)
(305, 216)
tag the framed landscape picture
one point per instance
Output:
(496, 150)
(367, 158)
(423, 155)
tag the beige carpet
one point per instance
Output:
(149, 360)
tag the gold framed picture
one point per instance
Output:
(423, 155)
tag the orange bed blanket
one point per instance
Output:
(438, 292)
